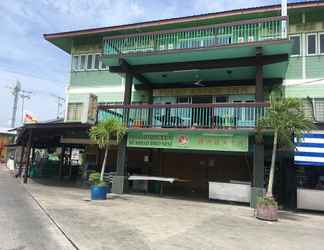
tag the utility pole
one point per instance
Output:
(60, 102)
(15, 92)
(25, 95)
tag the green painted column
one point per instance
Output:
(120, 180)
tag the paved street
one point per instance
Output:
(23, 224)
(161, 223)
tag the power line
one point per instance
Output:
(60, 101)
(25, 95)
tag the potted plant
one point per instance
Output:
(104, 133)
(286, 118)
(99, 189)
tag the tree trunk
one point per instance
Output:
(273, 164)
(104, 164)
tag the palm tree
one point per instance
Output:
(104, 133)
(287, 119)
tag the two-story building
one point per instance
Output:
(190, 91)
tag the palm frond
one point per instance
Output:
(102, 133)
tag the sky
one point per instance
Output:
(42, 68)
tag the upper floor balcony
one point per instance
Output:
(211, 116)
(136, 47)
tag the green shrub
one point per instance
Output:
(94, 179)
(267, 201)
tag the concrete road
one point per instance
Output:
(147, 222)
(23, 224)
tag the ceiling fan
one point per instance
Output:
(199, 82)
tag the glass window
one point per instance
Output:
(321, 43)
(74, 111)
(311, 44)
(89, 62)
(103, 66)
(97, 61)
(75, 63)
(82, 63)
(319, 109)
(296, 45)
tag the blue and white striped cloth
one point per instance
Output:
(310, 151)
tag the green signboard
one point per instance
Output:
(194, 140)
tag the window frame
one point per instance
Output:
(300, 44)
(86, 55)
(101, 68)
(316, 45)
(73, 64)
(94, 61)
(78, 106)
(85, 62)
(319, 43)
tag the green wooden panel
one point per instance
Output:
(95, 78)
(314, 67)
(303, 91)
(295, 68)
(137, 96)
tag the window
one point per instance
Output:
(83, 62)
(296, 48)
(321, 43)
(74, 111)
(311, 44)
(103, 66)
(89, 62)
(319, 109)
(97, 61)
(75, 63)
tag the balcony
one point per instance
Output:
(246, 32)
(186, 116)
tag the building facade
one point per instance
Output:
(190, 91)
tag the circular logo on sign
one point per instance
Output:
(183, 139)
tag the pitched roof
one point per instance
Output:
(253, 10)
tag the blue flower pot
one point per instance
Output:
(99, 193)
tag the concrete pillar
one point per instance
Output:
(29, 145)
(258, 147)
(61, 162)
(120, 180)
(258, 173)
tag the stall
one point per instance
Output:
(309, 161)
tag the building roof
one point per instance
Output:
(140, 25)
(6, 131)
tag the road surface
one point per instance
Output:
(23, 224)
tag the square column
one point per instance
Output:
(258, 148)
(120, 180)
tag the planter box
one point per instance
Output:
(99, 193)
(310, 199)
(268, 213)
(236, 191)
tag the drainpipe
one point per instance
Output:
(284, 14)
